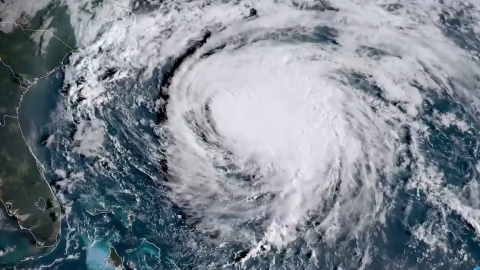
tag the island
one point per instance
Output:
(114, 259)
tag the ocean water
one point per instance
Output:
(311, 135)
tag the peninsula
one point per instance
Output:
(24, 190)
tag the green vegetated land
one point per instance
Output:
(24, 190)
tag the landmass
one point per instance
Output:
(114, 259)
(22, 183)
(24, 191)
(125, 217)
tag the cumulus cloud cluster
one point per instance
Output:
(89, 137)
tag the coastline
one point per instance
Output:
(24, 190)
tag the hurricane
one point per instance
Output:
(287, 134)
(270, 133)
(294, 123)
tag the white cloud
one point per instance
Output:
(20, 11)
(286, 112)
(89, 137)
(69, 183)
(43, 35)
(7, 250)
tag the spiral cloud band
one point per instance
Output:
(288, 121)
(266, 129)
(269, 119)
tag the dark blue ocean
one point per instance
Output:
(118, 200)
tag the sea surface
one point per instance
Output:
(112, 122)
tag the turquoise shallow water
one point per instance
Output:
(125, 206)
(151, 236)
